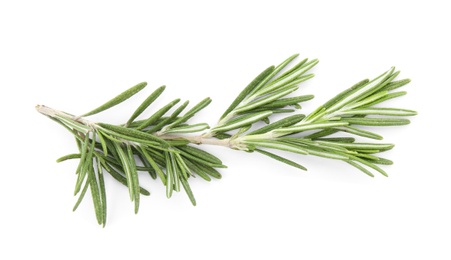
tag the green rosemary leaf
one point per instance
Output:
(154, 165)
(290, 79)
(365, 101)
(392, 75)
(288, 121)
(359, 132)
(266, 120)
(201, 173)
(345, 93)
(118, 99)
(317, 113)
(330, 154)
(122, 179)
(201, 105)
(102, 190)
(322, 133)
(85, 162)
(145, 104)
(81, 196)
(337, 139)
(184, 170)
(208, 170)
(380, 111)
(358, 166)
(134, 177)
(170, 176)
(274, 144)
(201, 154)
(130, 132)
(362, 146)
(170, 119)
(382, 161)
(367, 157)
(157, 115)
(292, 70)
(305, 127)
(202, 161)
(281, 159)
(291, 101)
(188, 129)
(188, 191)
(108, 134)
(377, 121)
(242, 121)
(95, 194)
(137, 123)
(147, 167)
(361, 92)
(318, 146)
(102, 142)
(396, 84)
(266, 100)
(272, 74)
(175, 172)
(68, 157)
(157, 155)
(248, 90)
(369, 164)
(386, 97)
(127, 169)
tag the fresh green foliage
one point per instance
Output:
(163, 146)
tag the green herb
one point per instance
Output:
(163, 143)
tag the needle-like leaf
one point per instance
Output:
(146, 103)
(118, 99)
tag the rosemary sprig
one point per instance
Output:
(158, 144)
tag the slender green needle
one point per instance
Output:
(122, 179)
(266, 100)
(146, 103)
(118, 99)
(127, 169)
(199, 172)
(188, 191)
(281, 159)
(130, 132)
(188, 129)
(81, 196)
(201, 105)
(359, 132)
(102, 191)
(377, 121)
(285, 122)
(396, 84)
(68, 157)
(134, 177)
(360, 167)
(103, 143)
(274, 72)
(242, 121)
(201, 154)
(95, 194)
(169, 175)
(169, 120)
(154, 118)
(262, 76)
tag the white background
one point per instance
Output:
(74, 56)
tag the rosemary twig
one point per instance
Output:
(160, 145)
